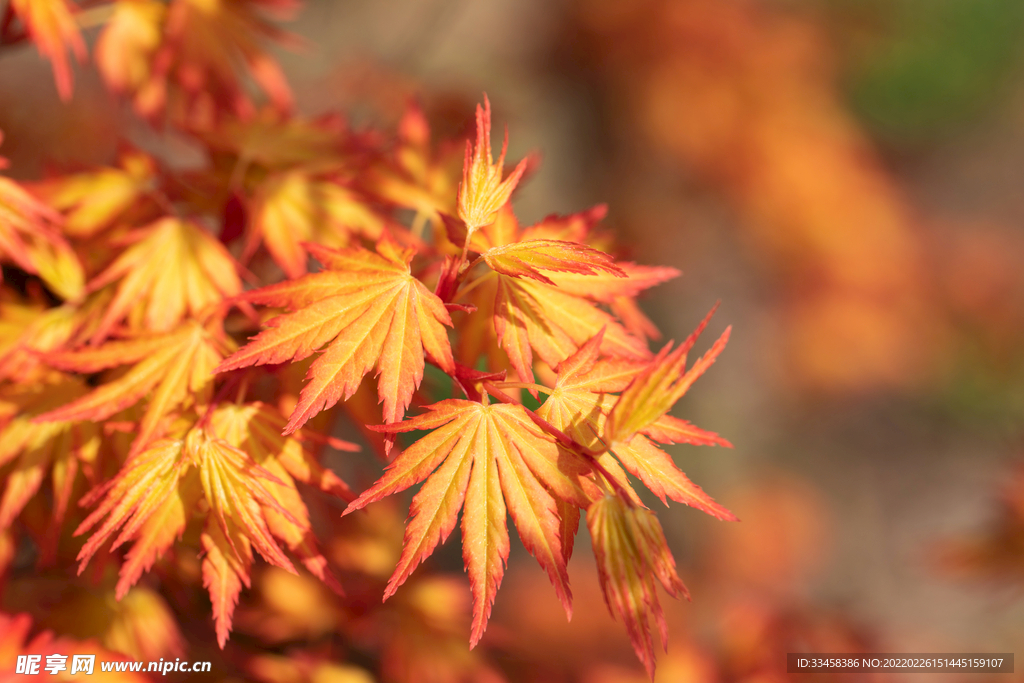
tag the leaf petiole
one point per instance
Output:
(525, 385)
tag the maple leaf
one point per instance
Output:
(53, 28)
(173, 270)
(553, 314)
(28, 330)
(15, 642)
(370, 311)
(29, 237)
(195, 67)
(579, 404)
(631, 553)
(528, 258)
(173, 370)
(531, 316)
(630, 281)
(126, 47)
(616, 286)
(61, 448)
(250, 503)
(277, 141)
(482, 191)
(255, 429)
(487, 459)
(295, 207)
(420, 177)
(237, 522)
(545, 318)
(92, 201)
(151, 498)
(618, 291)
(654, 391)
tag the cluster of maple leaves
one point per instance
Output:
(160, 397)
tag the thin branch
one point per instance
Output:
(525, 385)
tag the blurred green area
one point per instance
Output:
(922, 69)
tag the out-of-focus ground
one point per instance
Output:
(845, 177)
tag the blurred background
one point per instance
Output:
(845, 176)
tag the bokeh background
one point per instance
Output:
(846, 177)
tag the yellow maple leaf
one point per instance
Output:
(295, 207)
(370, 311)
(173, 370)
(249, 499)
(61, 449)
(579, 405)
(487, 459)
(52, 26)
(93, 200)
(631, 553)
(174, 269)
(30, 238)
(482, 191)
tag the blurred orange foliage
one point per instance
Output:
(745, 95)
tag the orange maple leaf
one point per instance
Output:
(531, 316)
(370, 311)
(173, 270)
(420, 177)
(631, 553)
(173, 370)
(30, 238)
(552, 313)
(94, 200)
(482, 191)
(250, 496)
(255, 429)
(194, 69)
(529, 257)
(54, 30)
(483, 458)
(61, 448)
(579, 404)
(654, 391)
(295, 206)
(617, 289)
